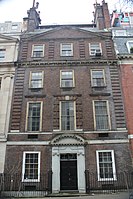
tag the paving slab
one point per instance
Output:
(123, 195)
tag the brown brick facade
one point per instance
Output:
(85, 140)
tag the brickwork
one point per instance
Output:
(127, 82)
(80, 42)
(85, 139)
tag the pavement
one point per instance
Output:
(122, 195)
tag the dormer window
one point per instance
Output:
(130, 46)
(95, 49)
(66, 49)
(38, 50)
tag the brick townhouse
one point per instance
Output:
(122, 28)
(67, 114)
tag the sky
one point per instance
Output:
(54, 11)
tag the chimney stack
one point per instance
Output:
(33, 20)
(102, 16)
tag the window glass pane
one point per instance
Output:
(67, 115)
(34, 117)
(67, 75)
(38, 48)
(66, 46)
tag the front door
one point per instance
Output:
(68, 172)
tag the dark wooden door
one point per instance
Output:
(68, 175)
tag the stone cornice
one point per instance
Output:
(7, 64)
(125, 56)
(67, 63)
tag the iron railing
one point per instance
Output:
(11, 185)
(120, 182)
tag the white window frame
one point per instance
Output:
(71, 50)
(104, 82)
(30, 79)
(23, 166)
(113, 165)
(128, 45)
(94, 115)
(4, 54)
(74, 115)
(100, 48)
(33, 49)
(73, 82)
(27, 112)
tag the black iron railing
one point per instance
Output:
(12, 185)
(120, 182)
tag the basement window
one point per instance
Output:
(32, 136)
(103, 135)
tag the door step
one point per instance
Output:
(70, 193)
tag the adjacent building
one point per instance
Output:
(9, 44)
(123, 39)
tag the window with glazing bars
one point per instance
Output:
(36, 80)
(34, 116)
(66, 49)
(95, 48)
(98, 78)
(105, 164)
(38, 51)
(31, 166)
(101, 115)
(67, 115)
(67, 79)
